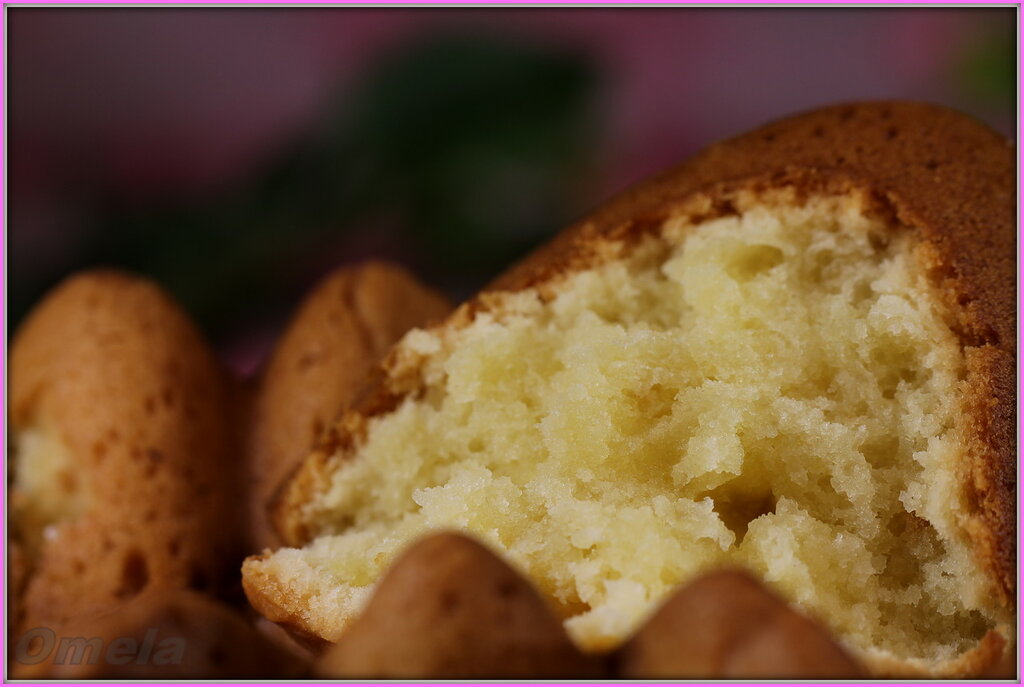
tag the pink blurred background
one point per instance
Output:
(150, 107)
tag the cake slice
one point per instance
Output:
(342, 328)
(793, 354)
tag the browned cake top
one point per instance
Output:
(942, 174)
(946, 176)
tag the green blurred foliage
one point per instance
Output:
(475, 145)
(986, 68)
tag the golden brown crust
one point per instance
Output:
(989, 479)
(114, 369)
(341, 330)
(165, 635)
(449, 608)
(726, 625)
(940, 172)
(944, 176)
(277, 603)
(986, 659)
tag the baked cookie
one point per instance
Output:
(123, 464)
(725, 625)
(425, 619)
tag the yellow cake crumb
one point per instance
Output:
(775, 389)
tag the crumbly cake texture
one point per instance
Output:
(343, 328)
(795, 353)
(123, 458)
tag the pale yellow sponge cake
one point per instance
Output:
(342, 328)
(775, 364)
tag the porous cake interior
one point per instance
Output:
(45, 488)
(774, 389)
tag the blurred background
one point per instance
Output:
(237, 156)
